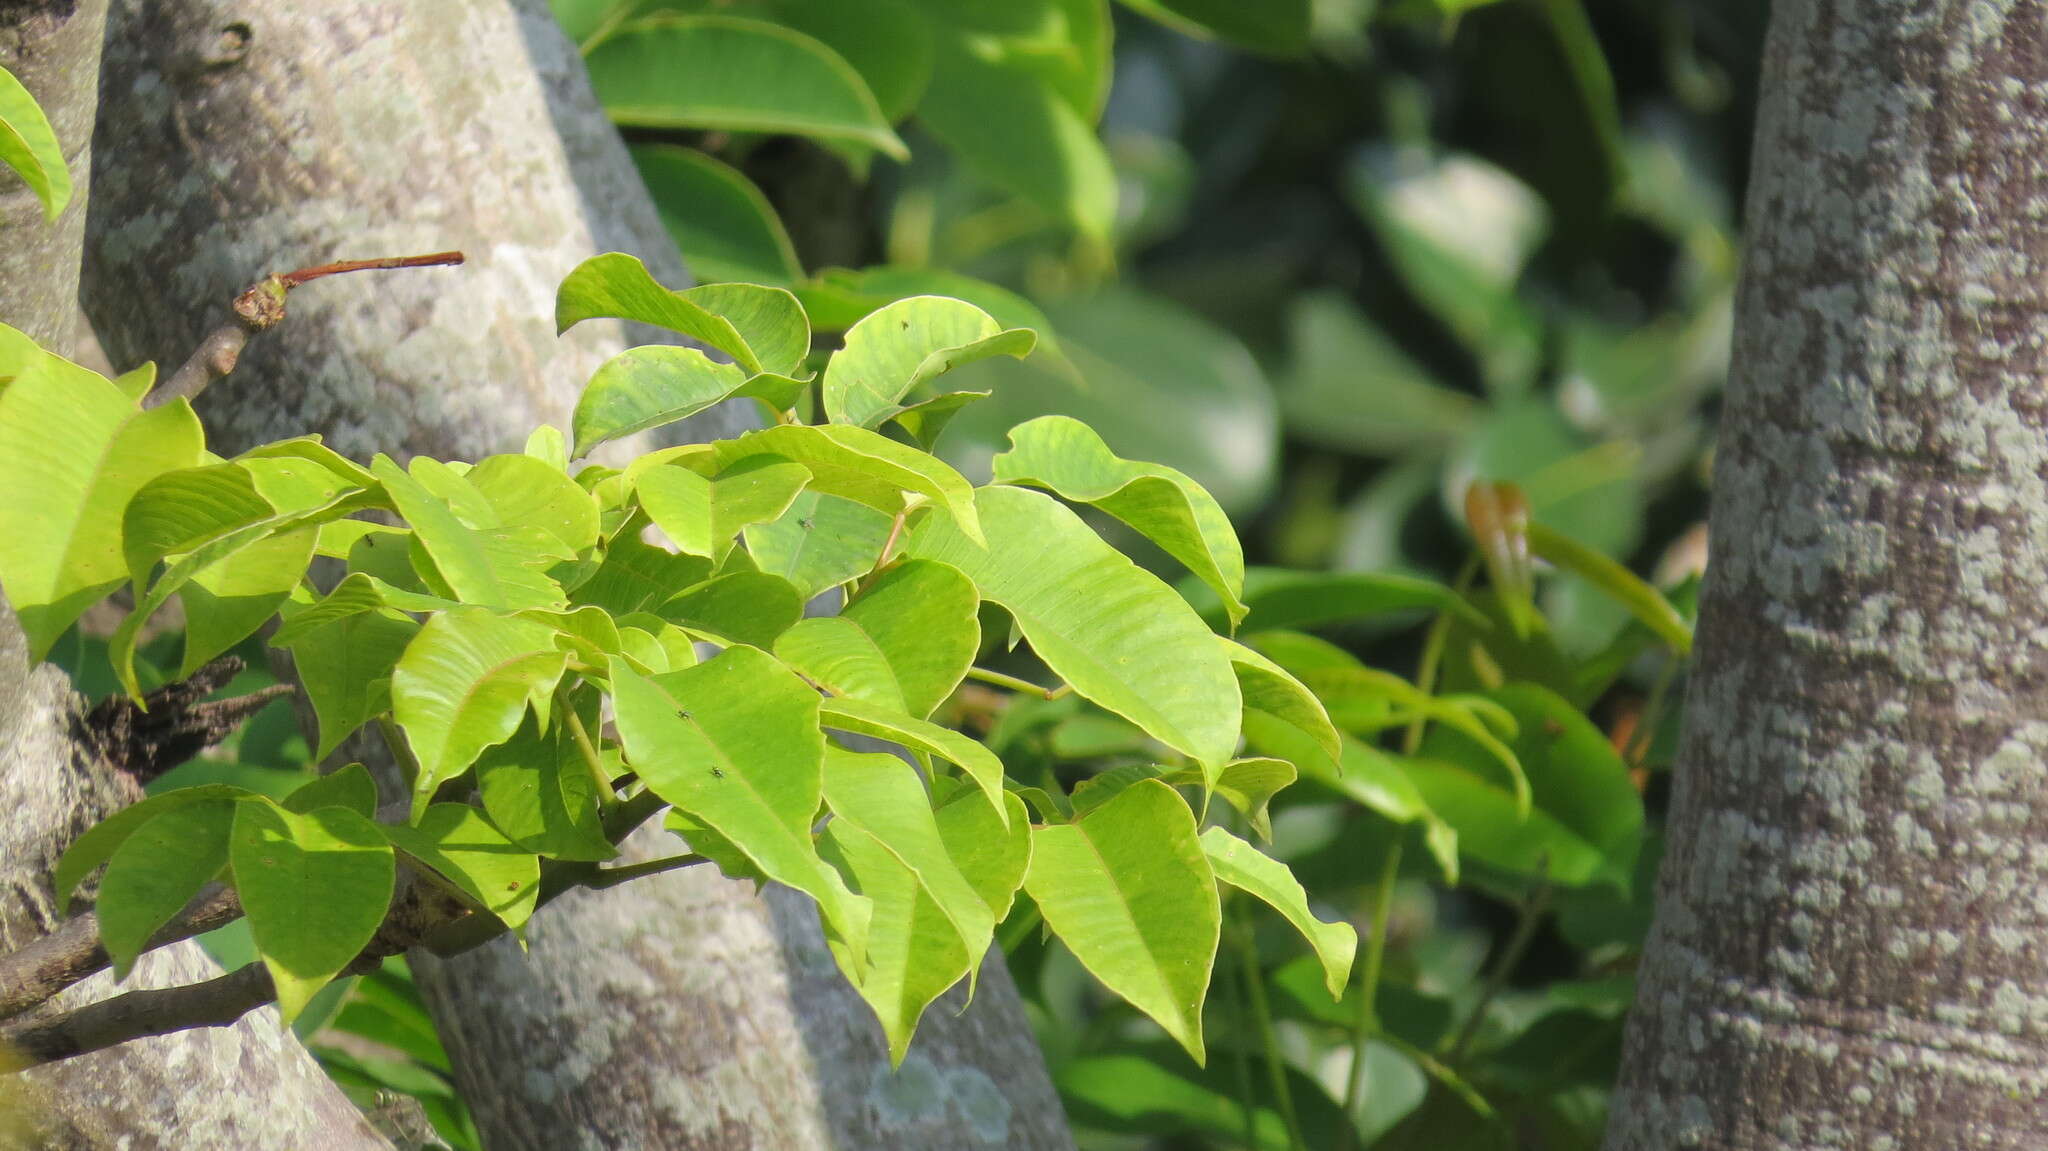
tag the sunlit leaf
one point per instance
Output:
(889, 354)
(30, 147)
(461, 846)
(845, 713)
(314, 887)
(922, 616)
(463, 685)
(1246, 868)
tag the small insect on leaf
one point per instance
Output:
(717, 773)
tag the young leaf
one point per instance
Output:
(834, 653)
(498, 567)
(1112, 630)
(882, 796)
(1249, 870)
(1268, 688)
(892, 352)
(860, 465)
(701, 514)
(820, 541)
(991, 845)
(1128, 888)
(30, 147)
(921, 615)
(315, 887)
(229, 599)
(734, 743)
(763, 329)
(739, 75)
(77, 450)
(1066, 457)
(349, 787)
(523, 490)
(844, 713)
(463, 684)
(156, 871)
(344, 661)
(461, 846)
(647, 387)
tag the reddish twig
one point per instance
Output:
(260, 309)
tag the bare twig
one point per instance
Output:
(36, 973)
(259, 309)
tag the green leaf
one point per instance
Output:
(97, 844)
(29, 146)
(490, 567)
(184, 509)
(156, 871)
(763, 329)
(1644, 602)
(1269, 689)
(538, 790)
(523, 490)
(229, 599)
(1016, 131)
(1248, 785)
(922, 616)
(345, 663)
(856, 464)
(1280, 598)
(734, 743)
(77, 449)
(820, 541)
(739, 75)
(647, 387)
(461, 846)
(1588, 492)
(837, 298)
(742, 607)
(892, 352)
(701, 515)
(887, 41)
(1276, 26)
(723, 224)
(991, 845)
(914, 950)
(638, 576)
(882, 796)
(315, 887)
(844, 713)
(1587, 822)
(834, 653)
(349, 787)
(1128, 888)
(463, 684)
(1066, 457)
(1112, 630)
(1367, 776)
(1246, 868)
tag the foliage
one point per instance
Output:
(30, 148)
(496, 613)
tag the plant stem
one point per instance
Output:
(1242, 1064)
(1367, 1026)
(613, 876)
(293, 279)
(1639, 747)
(591, 759)
(1276, 1067)
(1433, 654)
(1014, 683)
(1531, 917)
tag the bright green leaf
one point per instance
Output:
(499, 568)
(742, 607)
(315, 887)
(837, 655)
(820, 541)
(922, 616)
(1066, 457)
(463, 684)
(462, 847)
(904, 345)
(1128, 888)
(1246, 868)
(349, 787)
(229, 599)
(29, 146)
(1112, 630)
(156, 871)
(539, 791)
(98, 843)
(856, 464)
(844, 713)
(701, 515)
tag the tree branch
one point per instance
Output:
(171, 724)
(34, 974)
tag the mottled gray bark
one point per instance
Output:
(673, 1012)
(53, 48)
(1851, 946)
(251, 1085)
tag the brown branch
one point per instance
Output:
(172, 724)
(259, 309)
(33, 975)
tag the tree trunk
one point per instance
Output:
(187, 1090)
(676, 1011)
(1851, 946)
(53, 48)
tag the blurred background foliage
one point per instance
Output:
(1338, 260)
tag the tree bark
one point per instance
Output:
(1851, 945)
(679, 1011)
(53, 48)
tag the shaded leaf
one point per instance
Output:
(156, 871)
(461, 846)
(724, 226)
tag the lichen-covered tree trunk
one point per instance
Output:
(675, 1012)
(53, 48)
(1851, 945)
